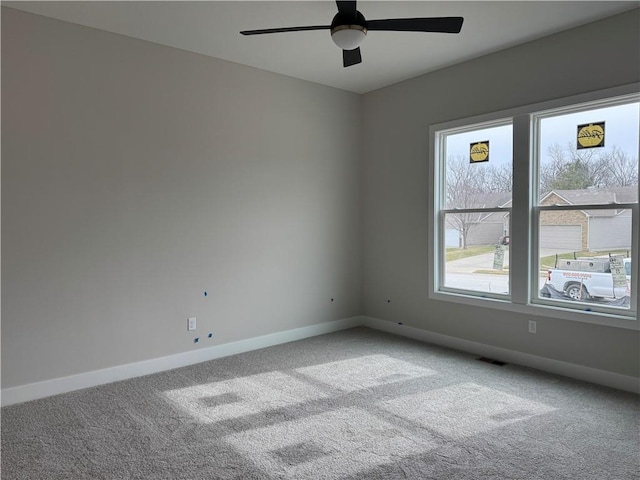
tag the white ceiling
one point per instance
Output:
(211, 28)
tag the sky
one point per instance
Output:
(622, 129)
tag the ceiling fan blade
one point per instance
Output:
(351, 57)
(286, 29)
(347, 8)
(435, 24)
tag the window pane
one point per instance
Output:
(478, 168)
(484, 265)
(575, 246)
(478, 174)
(590, 157)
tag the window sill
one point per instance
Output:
(627, 321)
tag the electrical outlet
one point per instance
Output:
(533, 327)
(191, 324)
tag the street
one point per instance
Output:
(460, 274)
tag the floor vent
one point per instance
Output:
(491, 361)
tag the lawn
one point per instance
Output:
(458, 253)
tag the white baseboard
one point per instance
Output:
(33, 391)
(580, 372)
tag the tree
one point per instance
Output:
(500, 178)
(619, 169)
(571, 169)
(573, 175)
(469, 186)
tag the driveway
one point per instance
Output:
(471, 264)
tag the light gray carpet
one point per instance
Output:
(357, 404)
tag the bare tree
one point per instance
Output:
(571, 169)
(468, 186)
(618, 169)
(500, 178)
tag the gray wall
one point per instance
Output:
(396, 184)
(135, 177)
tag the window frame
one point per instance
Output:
(523, 278)
(441, 191)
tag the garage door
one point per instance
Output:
(608, 233)
(561, 237)
(451, 238)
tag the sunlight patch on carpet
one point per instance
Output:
(463, 410)
(239, 397)
(364, 372)
(328, 445)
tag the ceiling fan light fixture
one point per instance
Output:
(349, 27)
(348, 37)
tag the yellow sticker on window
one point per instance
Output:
(479, 152)
(591, 135)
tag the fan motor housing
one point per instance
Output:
(342, 19)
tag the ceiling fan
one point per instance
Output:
(349, 27)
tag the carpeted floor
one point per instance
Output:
(357, 404)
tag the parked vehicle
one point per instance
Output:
(586, 278)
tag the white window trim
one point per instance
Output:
(522, 237)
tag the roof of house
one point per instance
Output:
(600, 196)
(488, 200)
(587, 196)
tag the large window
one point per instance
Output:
(536, 209)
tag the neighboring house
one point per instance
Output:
(483, 229)
(587, 230)
(575, 230)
